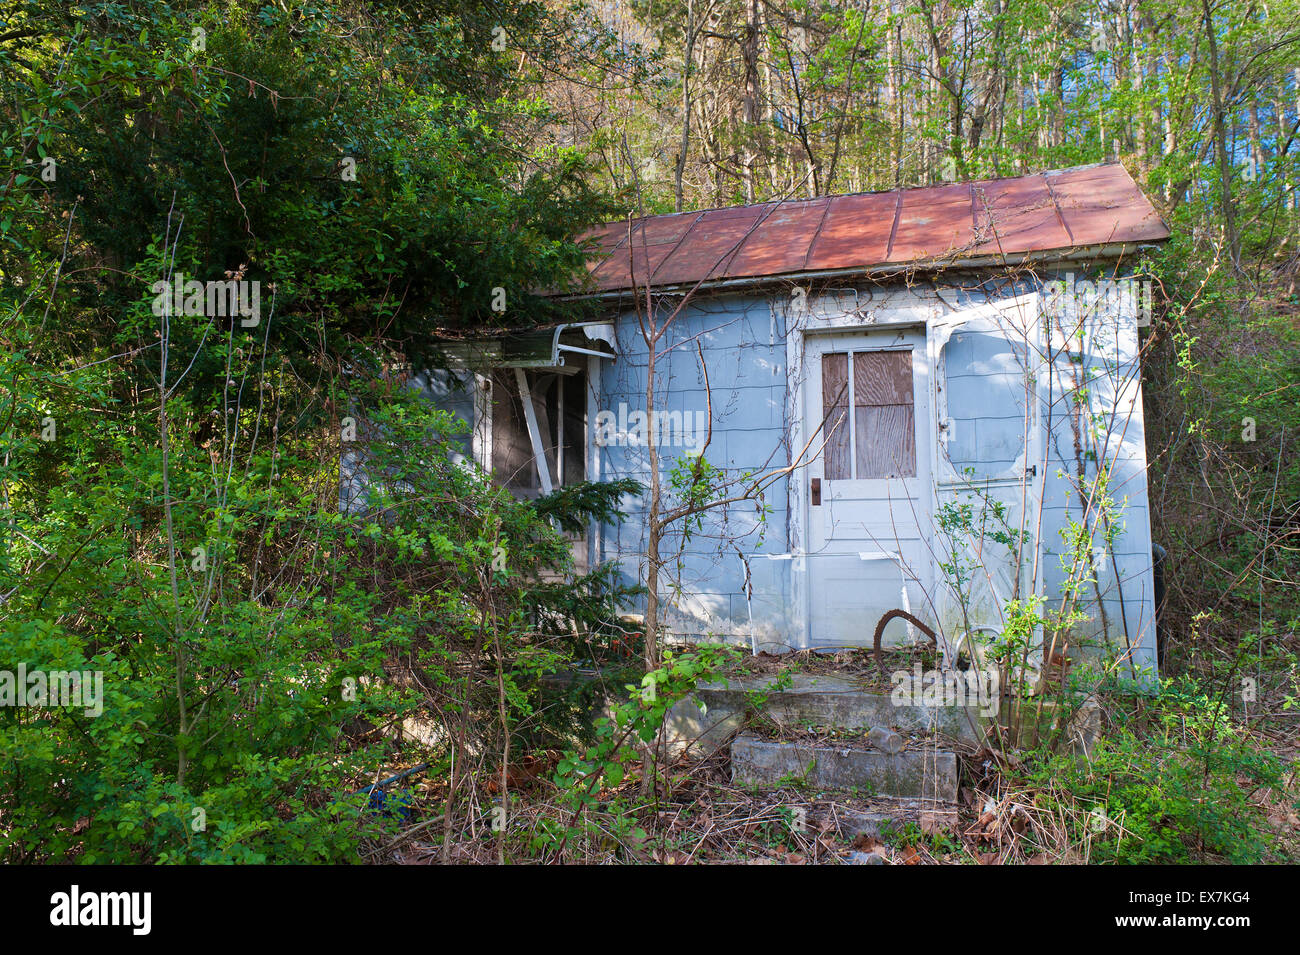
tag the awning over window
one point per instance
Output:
(569, 344)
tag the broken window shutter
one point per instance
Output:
(512, 457)
(835, 423)
(537, 429)
(883, 408)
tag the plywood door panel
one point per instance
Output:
(882, 378)
(886, 439)
(884, 428)
(835, 418)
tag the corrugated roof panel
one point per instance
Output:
(1096, 206)
(1016, 216)
(1054, 211)
(857, 228)
(652, 241)
(605, 242)
(933, 223)
(707, 250)
(785, 229)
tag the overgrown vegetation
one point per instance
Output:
(178, 494)
(175, 518)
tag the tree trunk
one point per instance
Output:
(688, 63)
(1221, 142)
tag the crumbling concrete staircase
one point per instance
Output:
(828, 732)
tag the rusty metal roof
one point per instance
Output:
(1053, 211)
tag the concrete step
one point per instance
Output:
(924, 772)
(886, 820)
(705, 721)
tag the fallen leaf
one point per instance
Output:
(865, 842)
(933, 823)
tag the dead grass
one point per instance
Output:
(856, 664)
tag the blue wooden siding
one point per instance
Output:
(726, 585)
(1114, 400)
(736, 577)
(712, 593)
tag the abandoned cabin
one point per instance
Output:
(936, 389)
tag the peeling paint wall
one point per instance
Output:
(743, 573)
(722, 577)
(1098, 379)
(745, 578)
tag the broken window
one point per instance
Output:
(558, 400)
(879, 439)
(986, 387)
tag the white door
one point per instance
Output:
(867, 408)
(989, 388)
